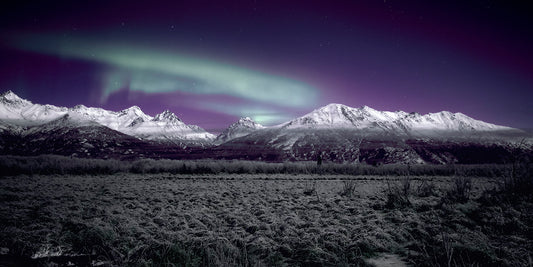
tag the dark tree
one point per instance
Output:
(319, 160)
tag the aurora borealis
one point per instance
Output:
(211, 62)
(142, 70)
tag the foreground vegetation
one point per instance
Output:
(251, 214)
(53, 164)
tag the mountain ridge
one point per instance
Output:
(333, 115)
(342, 116)
(337, 132)
(132, 121)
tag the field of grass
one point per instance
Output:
(261, 220)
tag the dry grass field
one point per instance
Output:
(261, 220)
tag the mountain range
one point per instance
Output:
(132, 121)
(337, 132)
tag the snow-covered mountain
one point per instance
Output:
(240, 128)
(166, 126)
(344, 134)
(336, 132)
(73, 137)
(395, 123)
(21, 112)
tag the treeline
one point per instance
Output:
(53, 164)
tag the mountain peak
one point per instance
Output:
(367, 108)
(245, 119)
(242, 127)
(246, 122)
(399, 122)
(12, 98)
(135, 112)
(332, 107)
(80, 106)
(341, 108)
(133, 109)
(167, 115)
(330, 115)
(7, 93)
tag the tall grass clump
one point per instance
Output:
(516, 182)
(519, 177)
(461, 188)
(426, 189)
(309, 188)
(348, 188)
(398, 193)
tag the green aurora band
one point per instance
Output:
(150, 71)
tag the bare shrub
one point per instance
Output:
(515, 186)
(348, 188)
(398, 193)
(426, 189)
(460, 190)
(406, 185)
(309, 188)
(222, 252)
(519, 180)
(447, 244)
(463, 186)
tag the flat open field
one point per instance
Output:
(258, 220)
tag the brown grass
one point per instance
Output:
(255, 220)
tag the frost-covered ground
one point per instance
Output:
(257, 219)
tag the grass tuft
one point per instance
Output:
(348, 188)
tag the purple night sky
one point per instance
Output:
(211, 62)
